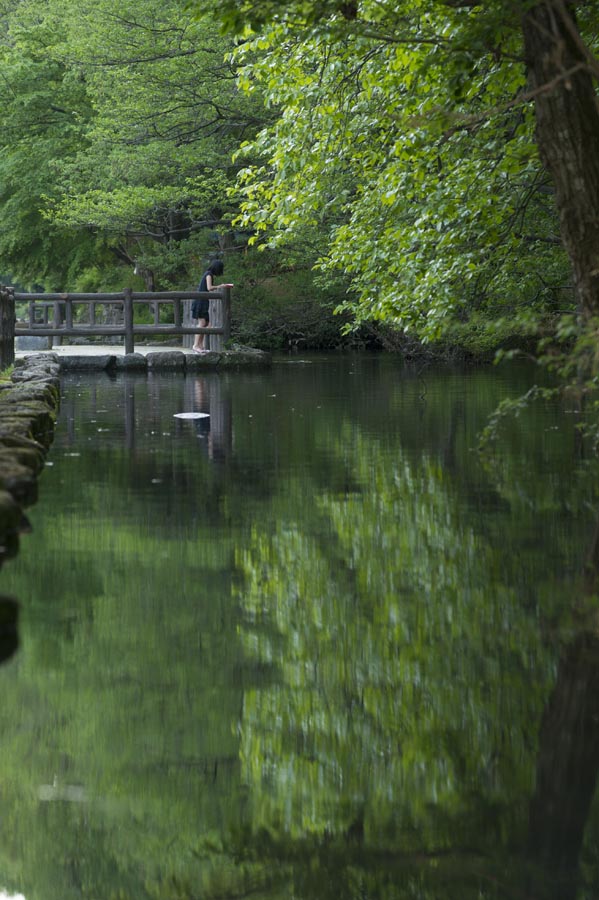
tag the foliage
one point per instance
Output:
(278, 306)
(133, 164)
(122, 127)
(389, 146)
(44, 113)
(167, 118)
(405, 140)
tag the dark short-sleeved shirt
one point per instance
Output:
(199, 309)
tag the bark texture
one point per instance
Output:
(567, 124)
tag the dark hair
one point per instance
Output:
(216, 267)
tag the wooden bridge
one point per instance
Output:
(56, 316)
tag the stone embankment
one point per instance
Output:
(29, 404)
(30, 400)
(165, 360)
(28, 407)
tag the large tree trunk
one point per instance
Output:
(567, 118)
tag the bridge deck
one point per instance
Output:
(101, 349)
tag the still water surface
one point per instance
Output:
(308, 646)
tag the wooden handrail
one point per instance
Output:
(117, 296)
(64, 324)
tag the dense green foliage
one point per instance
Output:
(406, 141)
(121, 131)
(391, 145)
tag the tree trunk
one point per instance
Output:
(567, 130)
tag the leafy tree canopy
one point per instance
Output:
(406, 140)
(405, 149)
(122, 123)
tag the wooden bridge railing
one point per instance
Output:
(65, 324)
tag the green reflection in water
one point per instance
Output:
(306, 651)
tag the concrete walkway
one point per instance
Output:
(103, 349)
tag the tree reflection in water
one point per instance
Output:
(9, 639)
(311, 652)
(414, 702)
(568, 757)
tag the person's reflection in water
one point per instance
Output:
(215, 429)
(202, 405)
(9, 638)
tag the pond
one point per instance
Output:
(309, 645)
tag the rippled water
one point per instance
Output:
(307, 645)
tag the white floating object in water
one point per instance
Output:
(73, 793)
(192, 415)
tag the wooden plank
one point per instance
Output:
(78, 298)
(174, 329)
(145, 297)
(76, 331)
(99, 330)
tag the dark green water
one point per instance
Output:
(308, 647)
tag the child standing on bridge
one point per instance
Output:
(200, 308)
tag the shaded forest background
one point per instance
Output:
(370, 172)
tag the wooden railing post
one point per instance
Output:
(226, 319)
(7, 327)
(57, 324)
(220, 317)
(128, 317)
(68, 313)
(177, 311)
(188, 322)
(215, 306)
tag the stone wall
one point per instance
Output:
(28, 406)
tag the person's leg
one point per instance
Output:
(198, 343)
